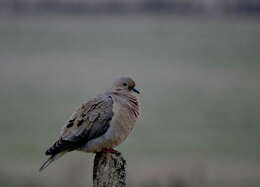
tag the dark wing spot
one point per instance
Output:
(70, 124)
(80, 122)
(83, 115)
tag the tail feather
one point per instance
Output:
(60, 146)
(50, 160)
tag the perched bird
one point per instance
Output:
(100, 124)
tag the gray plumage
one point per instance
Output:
(102, 123)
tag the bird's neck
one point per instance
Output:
(129, 101)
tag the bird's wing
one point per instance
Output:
(91, 120)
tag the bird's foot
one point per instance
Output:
(110, 150)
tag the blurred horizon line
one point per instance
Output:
(171, 7)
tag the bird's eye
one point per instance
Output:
(124, 84)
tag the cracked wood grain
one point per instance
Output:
(109, 170)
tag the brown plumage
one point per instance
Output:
(100, 124)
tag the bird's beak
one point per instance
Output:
(136, 91)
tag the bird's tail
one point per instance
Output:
(50, 160)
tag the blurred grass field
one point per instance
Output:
(199, 80)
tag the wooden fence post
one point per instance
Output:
(109, 170)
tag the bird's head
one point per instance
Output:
(124, 85)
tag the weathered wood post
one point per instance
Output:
(109, 170)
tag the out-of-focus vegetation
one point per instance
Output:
(209, 7)
(199, 80)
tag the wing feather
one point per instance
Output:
(91, 120)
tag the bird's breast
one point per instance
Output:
(121, 124)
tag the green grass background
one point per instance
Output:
(200, 94)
